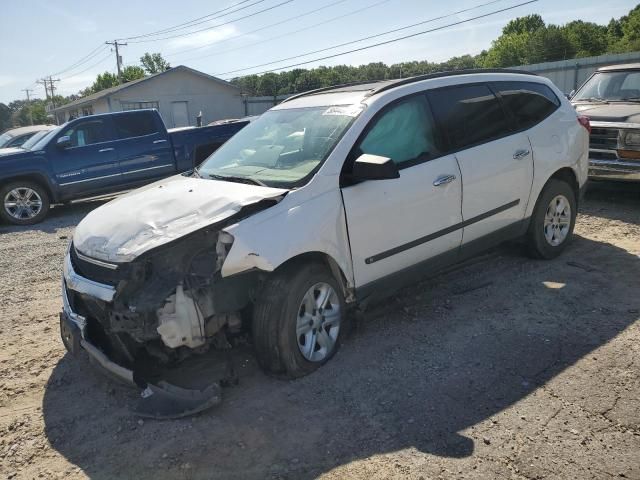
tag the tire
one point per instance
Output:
(280, 335)
(549, 235)
(23, 203)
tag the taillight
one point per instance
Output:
(584, 121)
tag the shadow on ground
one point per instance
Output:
(441, 357)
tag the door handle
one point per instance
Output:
(443, 180)
(520, 154)
(110, 149)
(159, 141)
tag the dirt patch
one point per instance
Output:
(506, 368)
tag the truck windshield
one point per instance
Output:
(282, 148)
(611, 87)
(40, 139)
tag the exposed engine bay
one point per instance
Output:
(170, 304)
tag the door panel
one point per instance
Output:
(496, 164)
(91, 162)
(394, 224)
(144, 150)
(496, 183)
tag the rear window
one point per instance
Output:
(134, 124)
(530, 103)
(469, 114)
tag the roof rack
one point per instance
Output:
(388, 84)
(327, 89)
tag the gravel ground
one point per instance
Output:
(505, 368)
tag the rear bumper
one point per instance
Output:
(614, 170)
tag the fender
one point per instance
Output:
(29, 165)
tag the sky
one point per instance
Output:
(41, 37)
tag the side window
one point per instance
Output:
(87, 133)
(18, 141)
(530, 103)
(404, 133)
(134, 125)
(470, 114)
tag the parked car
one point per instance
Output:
(17, 136)
(611, 100)
(329, 200)
(96, 155)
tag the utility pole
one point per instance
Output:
(117, 44)
(52, 89)
(43, 81)
(27, 91)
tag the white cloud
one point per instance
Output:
(202, 38)
(7, 80)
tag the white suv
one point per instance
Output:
(332, 198)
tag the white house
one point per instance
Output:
(179, 94)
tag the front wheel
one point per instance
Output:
(552, 221)
(298, 321)
(23, 203)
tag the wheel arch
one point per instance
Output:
(327, 260)
(567, 175)
(36, 178)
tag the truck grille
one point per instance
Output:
(92, 271)
(603, 138)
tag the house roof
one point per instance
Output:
(110, 91)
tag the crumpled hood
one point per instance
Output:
(13, 151)
(612, 112)
(143, 219)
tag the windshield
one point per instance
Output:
(282, 147)
(41, 142)
(611, 86)
(34, 139)
(4, 139)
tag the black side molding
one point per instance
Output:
(439, 233)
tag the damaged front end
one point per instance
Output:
(168, 305)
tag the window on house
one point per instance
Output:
(138, 105)
(86, 111)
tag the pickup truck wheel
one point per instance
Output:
(23, 203)
(298, 321)
(553, 220)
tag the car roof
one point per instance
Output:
(357, 92)
(15, 132)
(624, 66)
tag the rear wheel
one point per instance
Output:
(553, 220)
(298, 322)
(23, 203)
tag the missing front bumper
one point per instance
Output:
(160, 400)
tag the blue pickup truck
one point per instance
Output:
(96, 155)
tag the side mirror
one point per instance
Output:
(570, 95)
(64, 142)
(374, 167)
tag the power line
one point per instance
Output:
(235, 37)
(89, 67)
(195, 21)
(293, 32)
(214, 26)
(369, 37)
(374, 45)
(96, 51)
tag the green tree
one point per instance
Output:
(507, 51)
(5, 117)
(154, 63)
(132, 72)
(588, 39)
(526, 24)
(103, 81)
